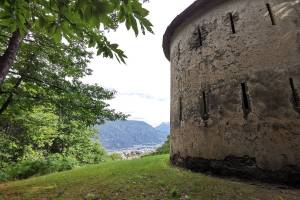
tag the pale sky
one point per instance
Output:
(143, 84)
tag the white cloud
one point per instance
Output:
(143, 85)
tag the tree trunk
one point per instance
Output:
(9, 56)
(9, 99)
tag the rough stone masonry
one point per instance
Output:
(235, 88)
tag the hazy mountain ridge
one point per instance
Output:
(126, 134)
(164, 128)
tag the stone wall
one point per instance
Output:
(235, 90)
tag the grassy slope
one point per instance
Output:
(147, 178)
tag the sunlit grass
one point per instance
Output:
(148, 178)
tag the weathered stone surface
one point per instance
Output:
(250, 108)
(244, 167)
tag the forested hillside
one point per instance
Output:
(125, 134)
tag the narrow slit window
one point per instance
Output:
(292, 84)
(179, 51)
(180, 108)
(200, 37)
(296, 98)
(271, 14)
(245, 99)
(204, 103)
(232, 23)
(205, 115)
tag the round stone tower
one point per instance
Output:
(235, 88)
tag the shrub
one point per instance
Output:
(3, 176)
(9, 150)
(29, 168)
(58, 163)
(89, 152)
(116, 156)
(164, 149)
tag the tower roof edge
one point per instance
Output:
(196, 7)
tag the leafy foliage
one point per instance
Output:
(75, 20)
(116, 156)
(28, 168)
(40, 135)
(51, 74)
(164, 149)
(47, 110)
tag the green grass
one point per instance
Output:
(149, 178)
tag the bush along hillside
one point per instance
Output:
(164, 149)
(147, 178)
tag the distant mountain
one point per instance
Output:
(164, 127)
(125, 134)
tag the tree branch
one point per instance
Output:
(37, 80)
(9, 56)
(9, 99)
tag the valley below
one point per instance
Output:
(131, 138)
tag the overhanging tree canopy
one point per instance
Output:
(44, 107)
(70, 19)
(49, 75)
